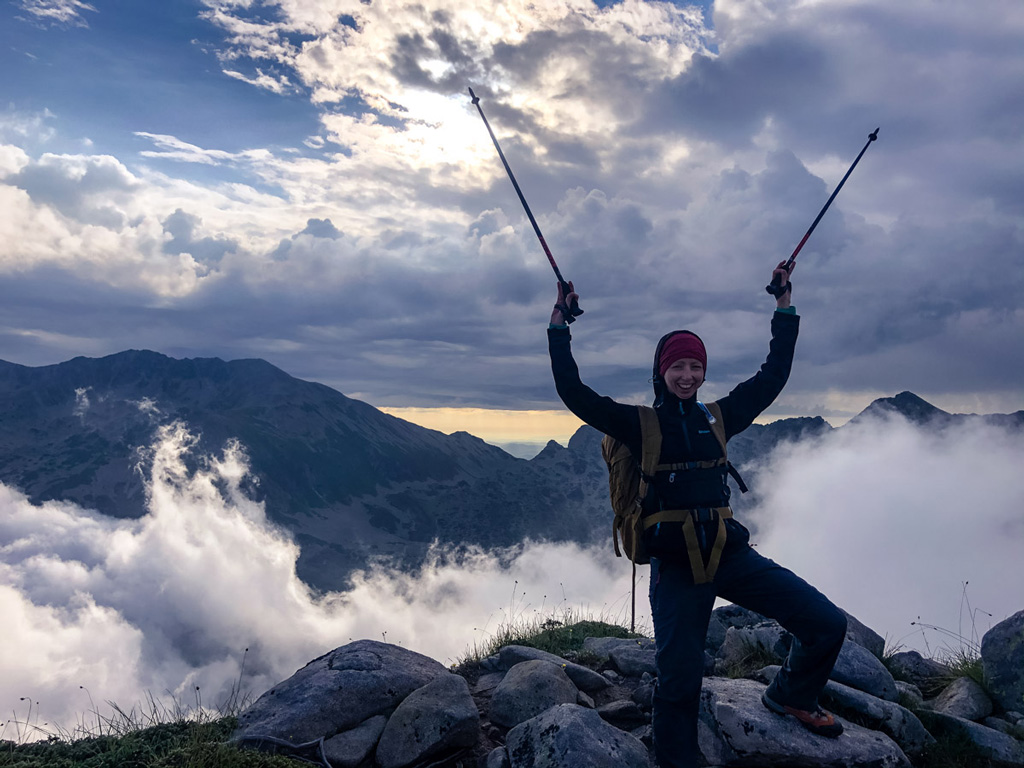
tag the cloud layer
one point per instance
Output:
(894, 523)
(670, 165)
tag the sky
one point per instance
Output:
(202, 591)
(307, 182)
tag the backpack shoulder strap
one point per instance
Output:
(650, 432)
(713, 411)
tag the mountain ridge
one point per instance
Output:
(349, 481)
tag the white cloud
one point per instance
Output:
(891, 521)
(62, 12)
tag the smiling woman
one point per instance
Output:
(507, 429)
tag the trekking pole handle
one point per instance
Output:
(775, 286)
(573, 311)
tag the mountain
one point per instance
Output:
(349, 481)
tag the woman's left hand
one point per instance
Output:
(782, 301)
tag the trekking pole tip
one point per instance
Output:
(874, 135)
(476, 99)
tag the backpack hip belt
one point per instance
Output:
(703, 572)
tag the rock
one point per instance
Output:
(584, 678)
(350, 748)
(864, 636)
(994, 744)
(964, 698)
(497, 758)
(337, 692)
(858, 668)
(756, 645)
(910, 694)
(568, 736)
(735, 616)
(488, 682)
(1002, 657)
(895, 721)
(1013, 716)
(633, 662)
(528, 689)
(736, 729)
(584, 700)
(643, 696)
(438, 719)
(998, 724)
(602, 647)
(927, 674)
(623, 714)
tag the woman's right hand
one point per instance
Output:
(562, 304)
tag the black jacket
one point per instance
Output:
(685, 432)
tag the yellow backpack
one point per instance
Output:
(628, 485)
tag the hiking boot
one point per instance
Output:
(817, 721)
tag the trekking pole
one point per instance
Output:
(573, 311)
(775, 287)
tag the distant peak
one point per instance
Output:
(909, 405)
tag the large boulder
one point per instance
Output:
(964, 698)
(736, 729)
(569, 736)
(895, 721)
(1002, 657)
(634, 661)
(864, 636)
(602, 647)
(994, 744)
(858, 668)
(438, 719)
(528, 689)
(584, 678)
(928, 675)
(337, 692)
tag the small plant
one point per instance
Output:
(753, 657)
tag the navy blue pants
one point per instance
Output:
(681, 611)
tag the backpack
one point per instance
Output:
(629, 483)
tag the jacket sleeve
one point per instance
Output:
(747, 400)
(602, 413)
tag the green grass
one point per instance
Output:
(561, 633)
(181, 744)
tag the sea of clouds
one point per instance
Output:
(892, 521)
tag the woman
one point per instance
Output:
(681, 608)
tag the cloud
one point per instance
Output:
(113, 609)
(669, 166)
(57, 12)
(898, 523)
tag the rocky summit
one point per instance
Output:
(373, 705)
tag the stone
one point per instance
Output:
(497, 758)
(568, 736)
(964, 698)
(602, 647)
(858, 668)
(998, 724)
(438, 719)
(928, 675)
(337, 692)
(1013, 716)
(864, 636)
(894, 720)
(736, 729)
(910, 694)
(994, 744)
(350, 748)
(584, 678)
(1002, 658)
(528, 689)
(633, 662)
(643, 696)
(623, 714)
(584, 700)
(744, 645)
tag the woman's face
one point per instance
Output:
(684, 377)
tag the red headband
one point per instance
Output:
(681, 345)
